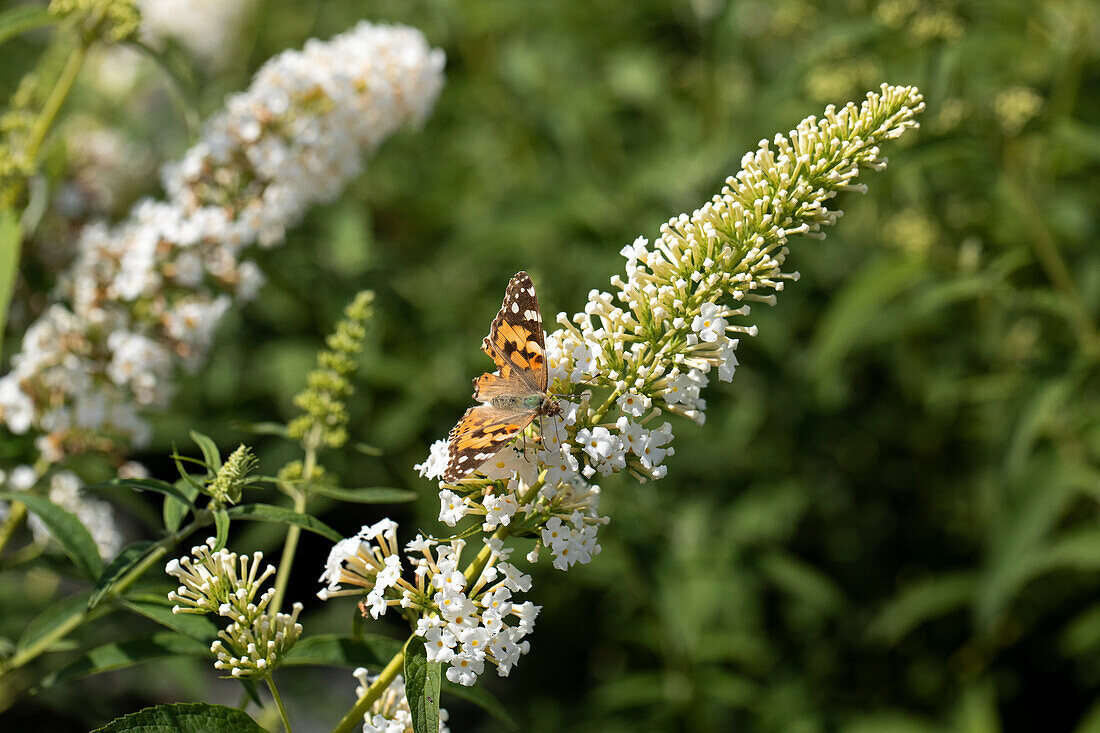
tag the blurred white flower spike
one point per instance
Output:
(144, 297)
(207, 28)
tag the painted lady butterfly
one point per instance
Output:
(515, 394)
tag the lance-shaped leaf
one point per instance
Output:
(221, 526)
(73, 537)
(120, 654)
(209, 448)
(174, 509)
(156, 609)
(422, 683)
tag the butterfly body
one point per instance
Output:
(521, 402)
(515, 394)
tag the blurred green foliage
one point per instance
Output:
(889, 520)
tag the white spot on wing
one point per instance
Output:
(515, 307)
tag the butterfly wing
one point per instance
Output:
(516, 341)
(488, 386)
(478, 436)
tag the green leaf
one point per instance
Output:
(185, 475)
(174, 509)
(55, 615)
(269, 513)
(145, 484)
(277, 429)
(118, 655)
(221, 525)
(920, 603)
(484, 700)
(189, 624)
(854, 319)
(365, 495)
(209, 450)
(422, 682)
(23, 18)
(73, 537)
(803, 582)
(130, 556)
(184, 717)
(337, 650)
(251, 690)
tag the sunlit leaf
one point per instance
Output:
(422, 686)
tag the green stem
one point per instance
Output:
(17, 512)
(290, 546)
(57, 97)
(354, 717)
(278, 702)
(56, 634)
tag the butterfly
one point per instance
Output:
(515, 394)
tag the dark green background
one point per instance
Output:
(889, 520)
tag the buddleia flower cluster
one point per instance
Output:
(390, 712)
(466, 621)
(143, 298)
(222, 583)
(671, 324)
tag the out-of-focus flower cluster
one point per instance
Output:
(390, 712)
(206, 28)
(144, 297)
(65, 490)
(115, 20)
(223, 583)
(466, 621)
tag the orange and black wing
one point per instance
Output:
(478, 436)
(516, 341)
